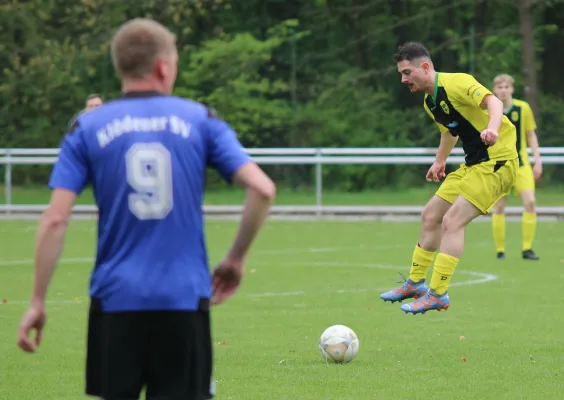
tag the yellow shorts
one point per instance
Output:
(525, 179)
(481, 184)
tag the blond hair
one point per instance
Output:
(503, 78)
(138, 44)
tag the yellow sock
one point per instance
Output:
(422, 259)
(442, 272)
(498, 225)
(529, 223)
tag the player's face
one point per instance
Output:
(93, 103)
(413, 76)
(503, 90)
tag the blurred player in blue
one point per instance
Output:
(146, 156)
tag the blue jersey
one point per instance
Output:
(146, 156)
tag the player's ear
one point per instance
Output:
(160, 68)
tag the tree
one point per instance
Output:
(528, 55)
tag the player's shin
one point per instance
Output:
(443, 272)
(421, 261)
(452, 246)
(529, 225)
(498, 227)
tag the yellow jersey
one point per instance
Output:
(521, 115)
(455, 107)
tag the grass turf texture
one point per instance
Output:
(549, 196)
(303, 277)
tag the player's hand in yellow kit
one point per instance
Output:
(489, 136)
(436, 172)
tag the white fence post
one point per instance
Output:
(8, 178)
(318, 181)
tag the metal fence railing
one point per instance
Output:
(318, 157)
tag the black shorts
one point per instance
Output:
(169, 353)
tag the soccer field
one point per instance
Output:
(501, 338)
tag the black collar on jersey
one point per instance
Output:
(140, 94)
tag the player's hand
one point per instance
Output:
(34, 319)
(537, 170)
(489, 136)
(226, 279)
(436, 172)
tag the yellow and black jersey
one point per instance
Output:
(522, 117)
(455, 107)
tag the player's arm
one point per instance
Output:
(260, 193)
(448, 140)
(533, 142)
(68, 178)
(495, 111)
(437, 170)
(467, 90)
(229, 157)
(49, 240)
(532, 139)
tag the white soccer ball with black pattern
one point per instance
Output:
(339, 344)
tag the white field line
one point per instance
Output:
(274, 252)
(480, 277)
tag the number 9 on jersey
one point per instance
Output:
(149, 173)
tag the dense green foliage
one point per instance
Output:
(282, 73)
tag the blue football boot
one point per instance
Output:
(429, 301)
(409, 290)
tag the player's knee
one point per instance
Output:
(529, 205)
(431, 217)
(448, 224)
(499, 209)
(451, 221)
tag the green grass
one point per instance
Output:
(550, 196)
(512, 326)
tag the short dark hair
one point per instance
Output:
(411, 51)
(94, 96)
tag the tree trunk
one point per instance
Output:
(552, 58)
(528, 56)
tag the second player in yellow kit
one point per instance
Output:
(520, 114)
(462, 108)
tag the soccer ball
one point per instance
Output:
(339, 344)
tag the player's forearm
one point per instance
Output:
(49, 245)
(445, 147)
(495, 111)
(256, 208)
(534, 143)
